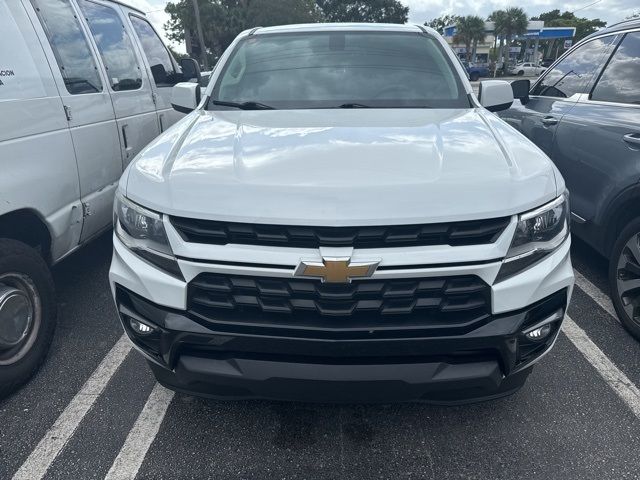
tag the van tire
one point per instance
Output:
(630, 233)
(22, 268)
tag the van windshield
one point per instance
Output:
(338, 70)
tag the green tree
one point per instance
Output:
(509, 23)
(222, 20)
(442, 21)
(176, 55)
(583, 26)
(381, 11)
(469, 31)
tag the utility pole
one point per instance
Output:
(203, 50)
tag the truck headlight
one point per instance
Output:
(142, 231)
(538, 233)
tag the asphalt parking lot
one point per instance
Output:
(94, 410)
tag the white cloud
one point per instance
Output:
(611, 11)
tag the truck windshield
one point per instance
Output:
(338, 70)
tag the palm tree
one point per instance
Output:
(470, 30)
(478, 34)
(498, 17)
(509, 23)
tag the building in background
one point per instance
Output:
(528, 49)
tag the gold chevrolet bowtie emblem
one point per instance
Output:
(336, 269)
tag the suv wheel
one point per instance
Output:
(27, 313)
(624, 277)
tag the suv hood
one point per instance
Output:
(341, 167)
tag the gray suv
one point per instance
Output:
(584, 112)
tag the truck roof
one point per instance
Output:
(328, 27)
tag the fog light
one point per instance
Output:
(539, 333)
(139, 327)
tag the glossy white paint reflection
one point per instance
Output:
(341, 167)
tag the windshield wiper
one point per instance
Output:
(243, 105)
(353, 105)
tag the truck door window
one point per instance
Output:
(575, 72)
(620, 81)
(69, 45)
(162, 68)
(115, 46)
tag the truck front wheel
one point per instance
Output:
(27, 313)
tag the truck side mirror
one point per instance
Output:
(185, 97)
(521, 90)
(190, 70)
(495, 95)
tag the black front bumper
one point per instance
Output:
(222, 360)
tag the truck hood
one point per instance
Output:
(341, 167)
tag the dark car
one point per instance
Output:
(584, 112)
(476, 71)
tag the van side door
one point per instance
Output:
(598, 141)
(88, 109)
(162, 69)
(127, 80)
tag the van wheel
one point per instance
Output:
(27, 313)
(624, 277)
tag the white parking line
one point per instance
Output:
(617, 380)
(595, 293)
(144, 431)
(54, 440)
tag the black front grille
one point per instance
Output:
(474, 232)
(441, 302)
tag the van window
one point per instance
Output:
(162, 69)
(115, 46)
(69, 45)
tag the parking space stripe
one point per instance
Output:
(596, 294)
(617, 380)
(54, 440)
(141, 436)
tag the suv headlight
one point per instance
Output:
(538, 233)
(142, 231)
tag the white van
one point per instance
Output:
(84, 86)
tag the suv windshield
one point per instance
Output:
(338, 70)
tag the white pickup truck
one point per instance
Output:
(340, 218)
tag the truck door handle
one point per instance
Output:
(632, 138)
(549, 121)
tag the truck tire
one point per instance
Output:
(27, 313)
(624, 269)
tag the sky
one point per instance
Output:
(422, 10)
